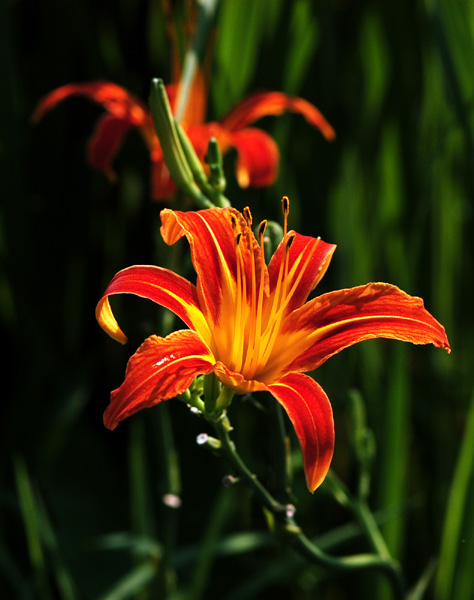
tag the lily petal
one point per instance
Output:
(308, 260)
(212, 240)
(159, 370)
(258, 157)
(310, 412)
(114, 98)
(262, 104)
(159, 285)
(162, 186)
(334, 321)
(105, 143)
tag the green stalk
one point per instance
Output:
(395, 443)
(284, 517)
(171, 500)
(456, 511)
(31, 519)
(173, 152)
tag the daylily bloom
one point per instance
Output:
(258, 156)
(251, 324)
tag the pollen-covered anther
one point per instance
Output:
(261, 230)
(248, 216)
(290, 240)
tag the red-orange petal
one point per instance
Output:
(262, 104)
(159, 370)
(106, 141)
(157, 284)
(162, 186)
(258, 157)
(212, 241)
(308, 260)
(310, 412)
(114, 98)
(336, 320)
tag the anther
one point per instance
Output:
(248, 216)
(233, 220)
(261, 229)
(238, 238)
(286, 205)
(290, 239)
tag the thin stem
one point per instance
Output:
(222, 427)
(282, 484)
(284, 517)
(367, 522)
(361, 512)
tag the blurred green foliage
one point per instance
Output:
(82, 512)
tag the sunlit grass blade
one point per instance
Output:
(31, 520)
(45, 554)
(456, 512)
(208, 547)
(419, 590)
(132, 583)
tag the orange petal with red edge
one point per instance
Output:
(212, 241)
(262, 104)
(114, 98)
(159, 370)
(308, 260)
(339, 319)
(162, 286)
(310, 412)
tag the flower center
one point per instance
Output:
(257, 313)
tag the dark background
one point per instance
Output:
(81, 509)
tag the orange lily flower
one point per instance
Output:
(258, 156)
(251, 324)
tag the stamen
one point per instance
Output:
(286, 211)
(241, 326)
(273, 325)
(254, 354)
(297, 281)
(248, 216)
(291, 237)
(238, 325)
(251, 314)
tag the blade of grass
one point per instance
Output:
(132, 583)
(456, 512)
(209, 545)
(31, 520)
(394, 447)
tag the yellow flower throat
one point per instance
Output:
(250, 324)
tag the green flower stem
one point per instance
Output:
(171, 500)
(281, 453)
(284, 517)
(217, 180)
(359, 562)
(173, 153)
(223, 427)
(361, 512)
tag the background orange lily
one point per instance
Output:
(251, 325)
(258, 155)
